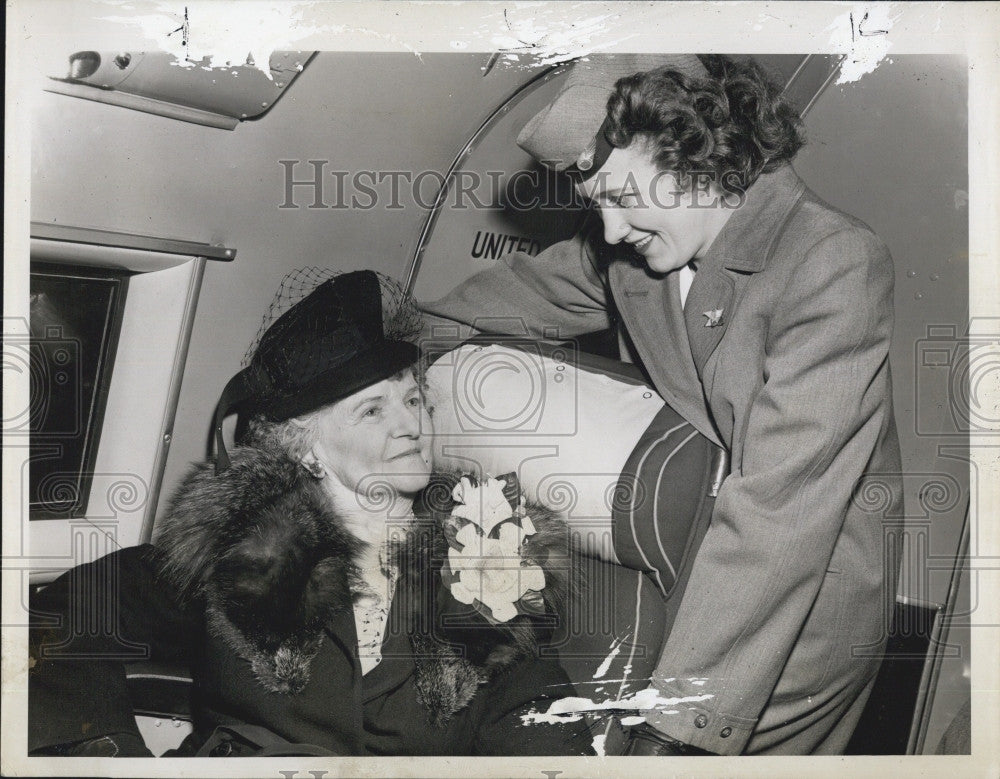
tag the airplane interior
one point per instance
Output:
(167, 204)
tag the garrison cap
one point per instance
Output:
(567, 133)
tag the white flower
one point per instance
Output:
(490, 570)
(485, 506)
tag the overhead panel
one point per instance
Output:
(199, 92)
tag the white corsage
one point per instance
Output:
(485, 566)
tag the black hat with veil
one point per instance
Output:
(326, 335)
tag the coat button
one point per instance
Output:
(726, 732)
(700, 721)
(222, 749)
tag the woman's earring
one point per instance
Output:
(313, 467)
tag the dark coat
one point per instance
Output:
(250, 581)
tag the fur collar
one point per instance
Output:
(261, 547)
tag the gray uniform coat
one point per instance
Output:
(786, 612)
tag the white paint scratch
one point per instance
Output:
(549, 40)
(549, 36)
(210, 34)
(204, 33)
(572, 709)
(606, 663)
(602, 682)
(863, 35)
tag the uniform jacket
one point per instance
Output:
(781, 355)
(259, 572)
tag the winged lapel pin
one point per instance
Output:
(714, 317)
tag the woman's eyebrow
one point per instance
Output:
(613, 192)
(368, 399)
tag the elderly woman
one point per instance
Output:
(329, 600)
(762, 315)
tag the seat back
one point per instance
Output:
(890, 719)
(635, 482)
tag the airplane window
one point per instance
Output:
(103, 351)
(75, 320)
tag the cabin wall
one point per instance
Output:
(135, 172)
(892, 149)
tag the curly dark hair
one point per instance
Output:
(734, 123)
